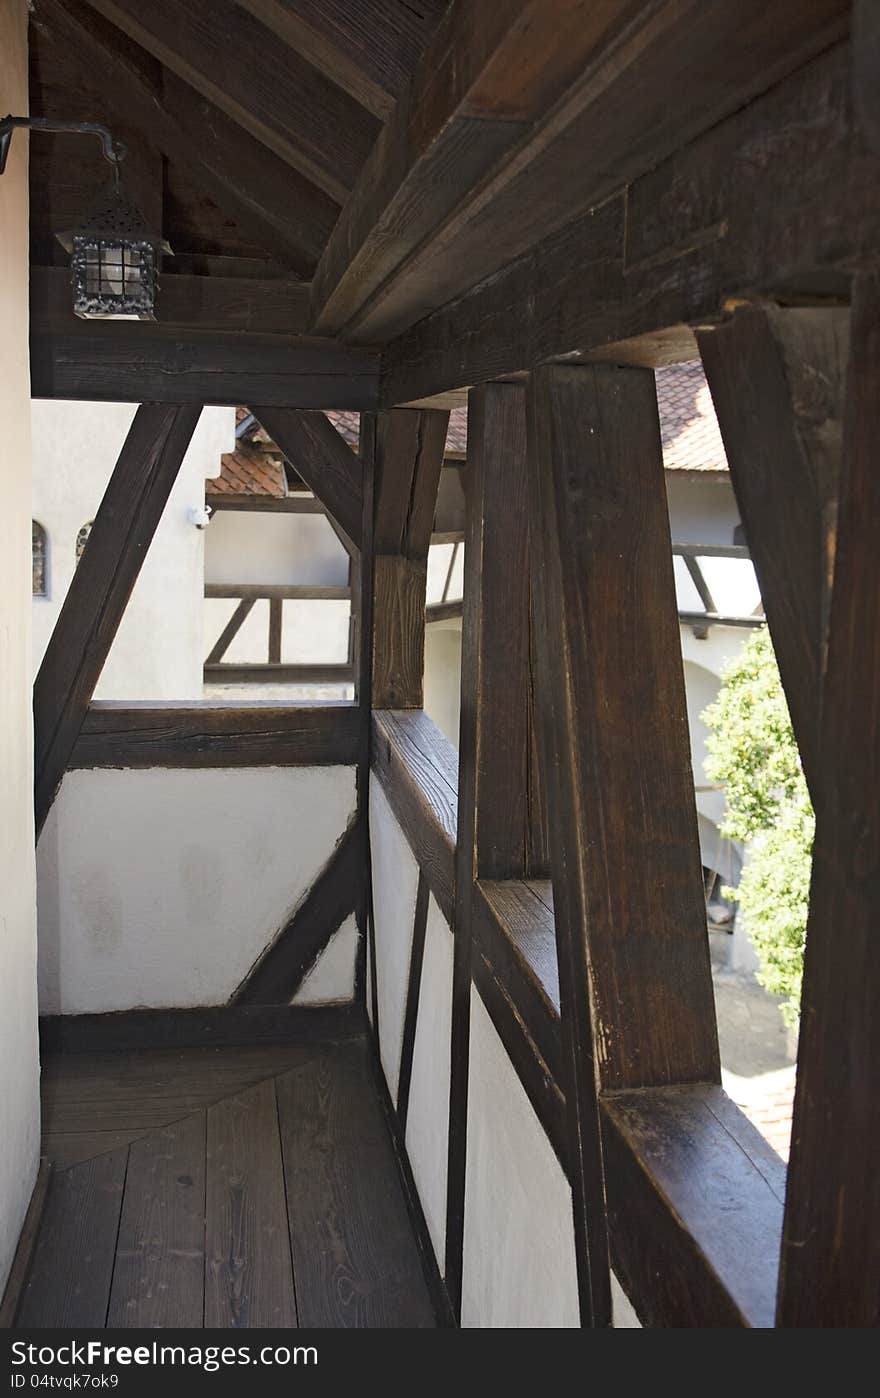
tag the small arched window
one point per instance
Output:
(82, 538)
(40, 582)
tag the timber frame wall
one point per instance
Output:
(750, 235)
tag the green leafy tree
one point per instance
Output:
(752, 751)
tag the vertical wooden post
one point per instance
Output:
(361, 574)
(777, 381)
(123, 530)
(495, 812)
(628, 892)
(830, 1272)
(408, 459)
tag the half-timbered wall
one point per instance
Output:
(19, 1102)
(158, 651)
(161, 888)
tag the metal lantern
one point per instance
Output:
(114, 261)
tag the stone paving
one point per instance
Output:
(757, 1050)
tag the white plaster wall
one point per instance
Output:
(702, 509)
(312, 632)
(519, 1262)
(157, 653)
(443, 676)
(264, 546)
(19, 1067)
(395, 883)
(331, 979)
(160, 888)
(427, 1124)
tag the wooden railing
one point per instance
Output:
(273, 670)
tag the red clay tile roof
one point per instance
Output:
(247, 471)
(688, 425)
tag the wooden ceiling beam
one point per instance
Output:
(714, 223)
(241, 304)
(118, 363)
(369, 48)
(524, 114)
(238, 64)
(272, 203)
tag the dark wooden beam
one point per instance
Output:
(688, 1255)
(208, 1026)
(323, 458)
(652, 260)
(418, 770)
(494, 145)
(830, 1274)
(495, 807)
(238, 64)
(777, 379)
(114, 363)
(271, 672)
(408, 460)
(208, 735)
(411, 1012)
(101, 586)
(866, 57)
(284, 213)
(269, 306)
(614, 723)
(336, 893)
(369, 48)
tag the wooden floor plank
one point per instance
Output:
(69, 1148)
(248, 1275)
(69, 1284)
(354, 1253)
(159, 1277)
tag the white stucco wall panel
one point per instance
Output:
(331, 979)
(519, 1262)
(395, 883)
(443, 676)
(19, 1067)
(160, 888)
(259, 546)
(157, 653)
(427, 1125)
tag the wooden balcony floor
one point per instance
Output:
(222, 1187)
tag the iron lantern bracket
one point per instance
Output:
(112, 150)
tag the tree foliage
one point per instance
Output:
(752, 751)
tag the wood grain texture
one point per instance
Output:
(493, 782)
(369, 48)
(323, 458)
(115, 364)
(277, 206)
(336, 892)
(248, 1272)
(515, 934)
(778, 380)
(658, 258)
(236, 63)
(27, 1242)
(418, 769)
(159, 1274)
(495, 147)
(96, 599)
(623, 820)
(830, 1273)
(117, 734)
(354, 1255)
(265, 306)
(407, 464)
(69, 1283)
(694, 1222)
